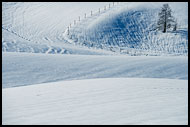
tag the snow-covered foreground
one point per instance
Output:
(20, 69)
(98, 101)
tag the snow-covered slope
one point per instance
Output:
(123, 28)
(98, 101)
(130, 30)
(20, 69)
(43, 22)
(38, 27)
(15, 43)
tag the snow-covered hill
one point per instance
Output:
(43, 22)
(38, 27)
(129, 30)
(123, 28)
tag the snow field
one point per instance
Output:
(98, 101)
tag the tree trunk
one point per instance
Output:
(165, 23)
(164, 31)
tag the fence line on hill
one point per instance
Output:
(91, 14)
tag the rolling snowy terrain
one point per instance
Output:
(124, 28)
(106, 67)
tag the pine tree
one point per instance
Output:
(166, 20)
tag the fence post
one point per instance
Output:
(104, 7)
(113, 3)
(79, 18)
(109, 5)
(68, 31)
(85, 15)
(99, 10)
(91, 13)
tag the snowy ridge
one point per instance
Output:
(30, 68)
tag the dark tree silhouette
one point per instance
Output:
(166, 20)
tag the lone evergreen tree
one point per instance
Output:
(166, 20)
